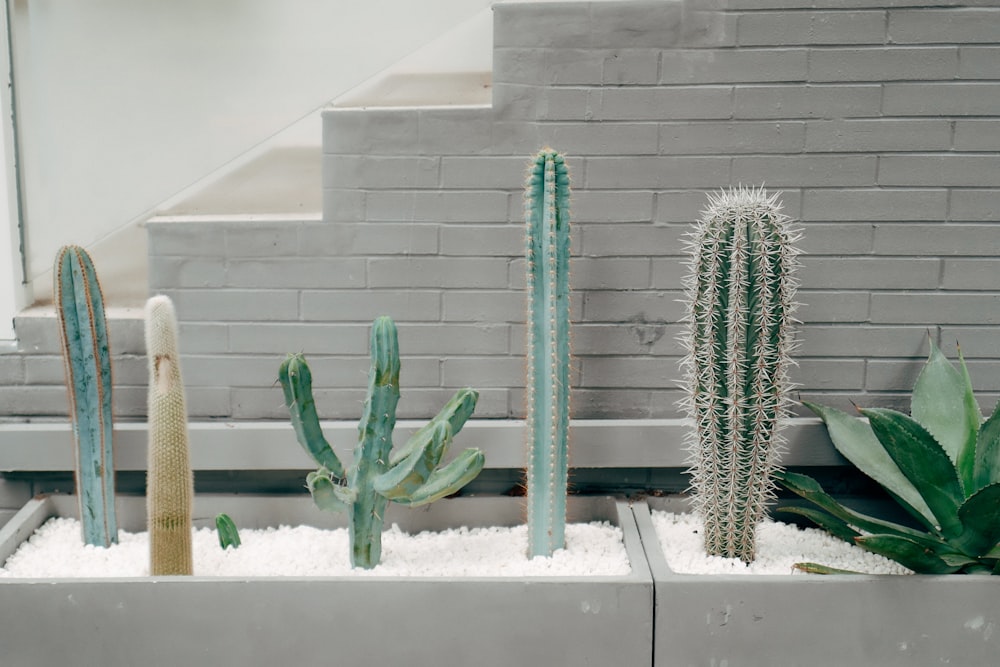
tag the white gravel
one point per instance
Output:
(56, 550)
(779, 547)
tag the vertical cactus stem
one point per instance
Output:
(86, 356)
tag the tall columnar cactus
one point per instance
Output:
(740, 300)
(87, 358)
(409, 476)
(170, 483)
(546, 212)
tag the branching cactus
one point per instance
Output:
(87, 358)
(170, 483)
(411, 476)
(546, 204)
(740, 294)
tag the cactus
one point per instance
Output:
(87, 359)
(546, 204)
(229, 534)
(170, 484)
(410, 476)
(740, 294)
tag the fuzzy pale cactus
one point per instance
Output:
(83, 332)
(546, 213)
(170, 484)
(740, 293)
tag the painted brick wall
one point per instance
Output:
(879, 122)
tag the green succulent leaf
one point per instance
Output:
(816, 568)
(329, 496)
(907, 553)
(229, 535)
(980, 516)
(987, 464)
(923, 461)
(944, 404)
(831, 524)
(854, 439)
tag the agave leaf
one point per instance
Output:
(945, 406)
(980, 516)
(923, 461)
(816, 568)
(907, 553)
(855, 440)
(828, 522)
(987, 464)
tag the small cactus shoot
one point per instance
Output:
(740, 293)
(87, 358)
(170, 483)
(229, 535)
(411, 476)
(546, 204)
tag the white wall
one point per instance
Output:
(122, 103)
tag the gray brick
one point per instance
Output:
(935, 26)
(805, 170)
(856, 341)
(874, 205)
(941, 99)
(976, 342)
(827, 375)
(420, 403)
(404, 305)
(177, 272)
(521, 25)
(611, 206)
(262, 239)
(132, 370)
(625, 240)
(609, 273)
(483, 240)
(436, 272)
(631, 66)
(184, 239)
(379, 171)
(631, 372)
(892, 374)
(818, 307)
(669, 273)
(810, 101)
(339, 204)
(635, 24)
(975, 205)
(37, 333)
(311, 338)
(698, 66)
(653, 172)
(296, 273)
(435, 206)
(811, 27)
(701, 138)
(973, 274)
(883, 64)
(680, 206)
(455, 130)
(600, 138)
(200, 337)
(613, 404)
(565, 103)
(230, 370)
(978, 62)
(12, 368)
(367, 239)
(516, 100)
(977, 135)
(837, 239)
(486, 306)
(984, 379)
(547, 66)
(44, 370)
(929, 308)
(488, 372)
(869, 273)
(267, 403)
(938, 170)
(637, 307)
(631, 338)
(236, 305)
(453, 339)
(352, 372)
(34, 401)
(937, 240)
(363, 131)
(868, 136)
(484, 172)
(665, 103)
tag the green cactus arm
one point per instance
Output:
(943, 403)
(327, 494)
(455, 412)
(447, 480)
(404, 478)
(87, 358)
(987, 463)
(229, 535)
(296, 384)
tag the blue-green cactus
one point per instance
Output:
(410, 476)
(740, 303)
(546, 203)
(87, 357)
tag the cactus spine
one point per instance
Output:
(410, 476)
(740, 293)
(170, 484)
(87, 360)
(546, 203)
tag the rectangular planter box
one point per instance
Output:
(820, 621)
(334, 620)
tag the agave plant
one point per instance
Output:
(941, 464)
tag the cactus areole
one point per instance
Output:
(87, 358)
(546, 203)
(740, 300)
(410, 476)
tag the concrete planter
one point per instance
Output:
(789, 621)
(274, 621)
